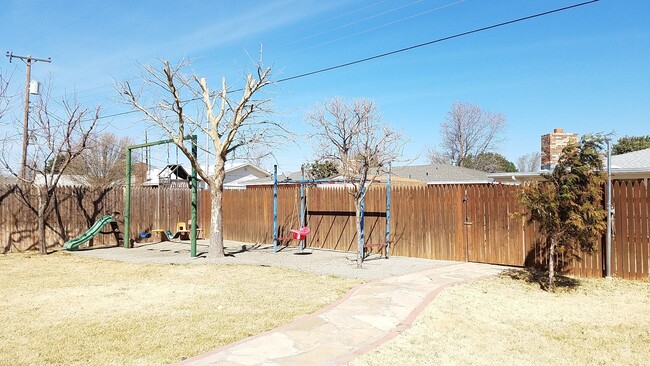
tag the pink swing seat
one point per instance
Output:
(300, 234)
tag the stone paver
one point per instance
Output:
(366, 317)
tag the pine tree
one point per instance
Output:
(568, 205)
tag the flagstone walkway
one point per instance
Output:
(365, 318)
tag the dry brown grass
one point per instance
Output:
(64, 309)
(511, 321)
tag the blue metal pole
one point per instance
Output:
(302, 205)
(275, 208)
(608, 239)
(388, 211)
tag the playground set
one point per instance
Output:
(300, 233)
(181, 228)
(189, 231)
(183, 231)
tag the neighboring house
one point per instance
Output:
(8, 180)
(517, 177)
(552, 145)
(237, 174)
(172, 175)
(268, 181)
(406, 176)
(632, 165)
(441, 174)
(66, 180)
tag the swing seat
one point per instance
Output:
(300, 234)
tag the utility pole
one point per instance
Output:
(28, 60)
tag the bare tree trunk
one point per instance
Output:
(42, 246)
(551, 266)
(215, 250)
(358, 226)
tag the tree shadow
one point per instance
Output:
(535, 276)
(536, 270)
(81, 195)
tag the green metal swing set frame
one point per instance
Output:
(127, 199)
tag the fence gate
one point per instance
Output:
(492, 231)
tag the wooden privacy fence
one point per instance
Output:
(75, 209)
(451, 222)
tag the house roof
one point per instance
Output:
(441, 174)
(269, 180)
(632, 160)
(175, 169)
(69, 180)
(230, 166)
(183, 174)
(8, 180)
(632, 165)
(409, 175)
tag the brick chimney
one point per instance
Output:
(552, 145)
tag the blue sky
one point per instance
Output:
(584, 70)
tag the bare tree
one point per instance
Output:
(105, 163)
(255, 154)
(529, 162)
(4, 96)
(355, 138)
(58, 140)
(468, 130)
(232, 123)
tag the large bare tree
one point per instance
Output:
(230, 122)
(103, 165)
(355, 138)
(59, 137)
(468, 130)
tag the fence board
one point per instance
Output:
(642, 243)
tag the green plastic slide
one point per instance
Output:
(94, 230)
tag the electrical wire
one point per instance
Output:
(381, 26)
(397, 51)
(457, 35)
(105, 86)
(355, 22)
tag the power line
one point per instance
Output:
(393, 22)
(401, 50)
(435, 41)
(104, 86)
(357, 21)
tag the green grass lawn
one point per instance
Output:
(510, 321)
(69, 310)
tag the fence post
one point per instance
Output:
(127, 201)
(275, 208)
(608, 240)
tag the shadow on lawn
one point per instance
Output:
(531, 275)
